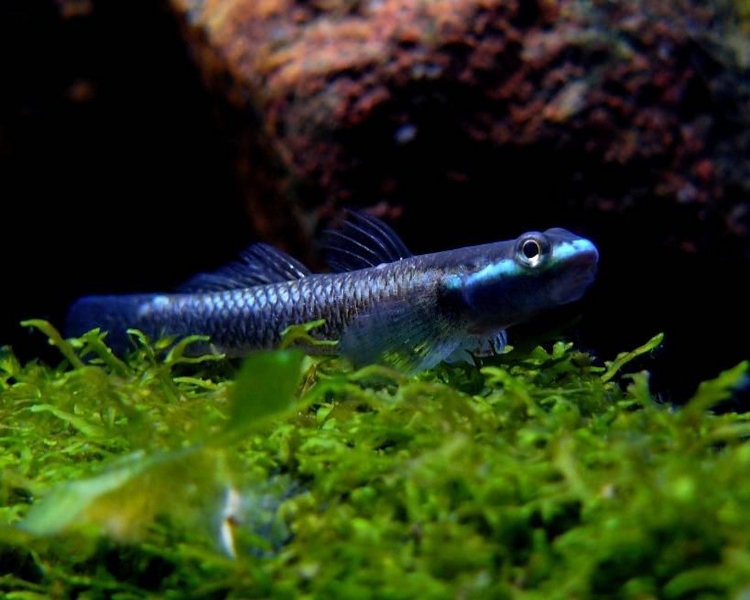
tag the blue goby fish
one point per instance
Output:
(382, 303)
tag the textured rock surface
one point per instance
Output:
(551, 106)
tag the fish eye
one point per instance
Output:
(532, 249)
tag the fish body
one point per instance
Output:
(382, 304)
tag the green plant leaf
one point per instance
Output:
(265, 386)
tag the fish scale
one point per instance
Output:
(384, 305)
(241, 320)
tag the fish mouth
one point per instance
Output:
(577, 278)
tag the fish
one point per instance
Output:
(380, 304)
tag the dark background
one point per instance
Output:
(113, 175)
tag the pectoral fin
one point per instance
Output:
(406, 335)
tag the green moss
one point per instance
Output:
(545, 474)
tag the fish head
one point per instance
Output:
(536, 272)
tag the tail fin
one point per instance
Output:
(113, 314)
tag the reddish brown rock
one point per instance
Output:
(616, 105)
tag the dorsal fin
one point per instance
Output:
(258, 265)
(362, 241)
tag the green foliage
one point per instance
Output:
(542, 474)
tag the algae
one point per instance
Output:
(541, 474)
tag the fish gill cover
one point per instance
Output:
(544, 473)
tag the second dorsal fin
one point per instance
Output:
(362, 241)
(258, 265)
